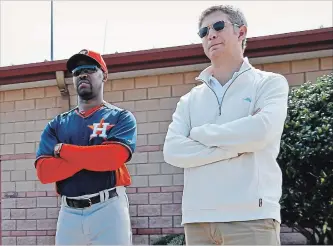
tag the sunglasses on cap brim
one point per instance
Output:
(89, 69)
(217, 26)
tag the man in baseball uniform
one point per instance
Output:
(84, 152)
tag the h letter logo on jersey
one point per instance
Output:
(100, 129)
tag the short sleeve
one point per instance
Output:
(125, 131)
(48, 140)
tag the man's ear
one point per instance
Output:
(105, 77)
(242, 32)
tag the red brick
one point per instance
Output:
(25, 105)
(27, 225)
(14, 116)
(140, 117)
(114, 96)
(47, 224)
(17, 214)
(278, 67)
(122, 84)
(152, 104)
(8, 203)
(148, 148)
(140, 240)
(130, 190)
(160, 115)
(149, 190)
(171, 79)
(36, 233)
(9, 241)
(149, 210)
(134, 95)
(159, 92)
(146, 82)
(51, 233)
(156, 156)
(177, 221)
(5, 214)
(180, 90)
(52, 213)
(160, 180)
(13, 95)
(45, 240)
(18, 233)
(31, 240)
(14, 138)
(141, 198)
(139, 222)
(305, 65)
(160, 222)
(36, 194)
(51, 193)
(171, 209)
(160, 198)
(139, 181)
(169, 103)
(47, 202)
(53, 112)
(168, 169)
(7, 107)
(26, 202)
(36, 213)
(129, 105)
(326, 63)
(133, 210)
(149, 231)
(148, 169)
(142, 140)
(5, 233)
(313, 76)
(156, 139)
(178, 179)
(177, 197)
(8, 225)
(52, 91)
(147, 128)
(32, 93)
(173, 230)
(24, 148)
(190, 77)
(36, 114)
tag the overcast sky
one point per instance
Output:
(114, 26)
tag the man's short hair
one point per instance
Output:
(235, 15)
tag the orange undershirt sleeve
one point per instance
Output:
(51, 169)
(98, 158)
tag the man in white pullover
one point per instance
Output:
(226, 134)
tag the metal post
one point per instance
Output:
(51, 30)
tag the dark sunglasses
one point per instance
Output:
(89, 69)
(217, 26)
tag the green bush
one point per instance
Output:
(306, 160)
(173, 239)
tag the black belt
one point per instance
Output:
(87, 202)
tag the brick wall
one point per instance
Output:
(29, 209)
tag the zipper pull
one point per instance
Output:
(260, 202)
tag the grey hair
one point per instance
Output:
(234, 14)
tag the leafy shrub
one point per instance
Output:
(306, 160)
(173, 239)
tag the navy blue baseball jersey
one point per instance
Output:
(105, 124)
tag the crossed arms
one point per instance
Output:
(108, 156)
(187, 147)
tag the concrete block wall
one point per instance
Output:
(29, 209)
